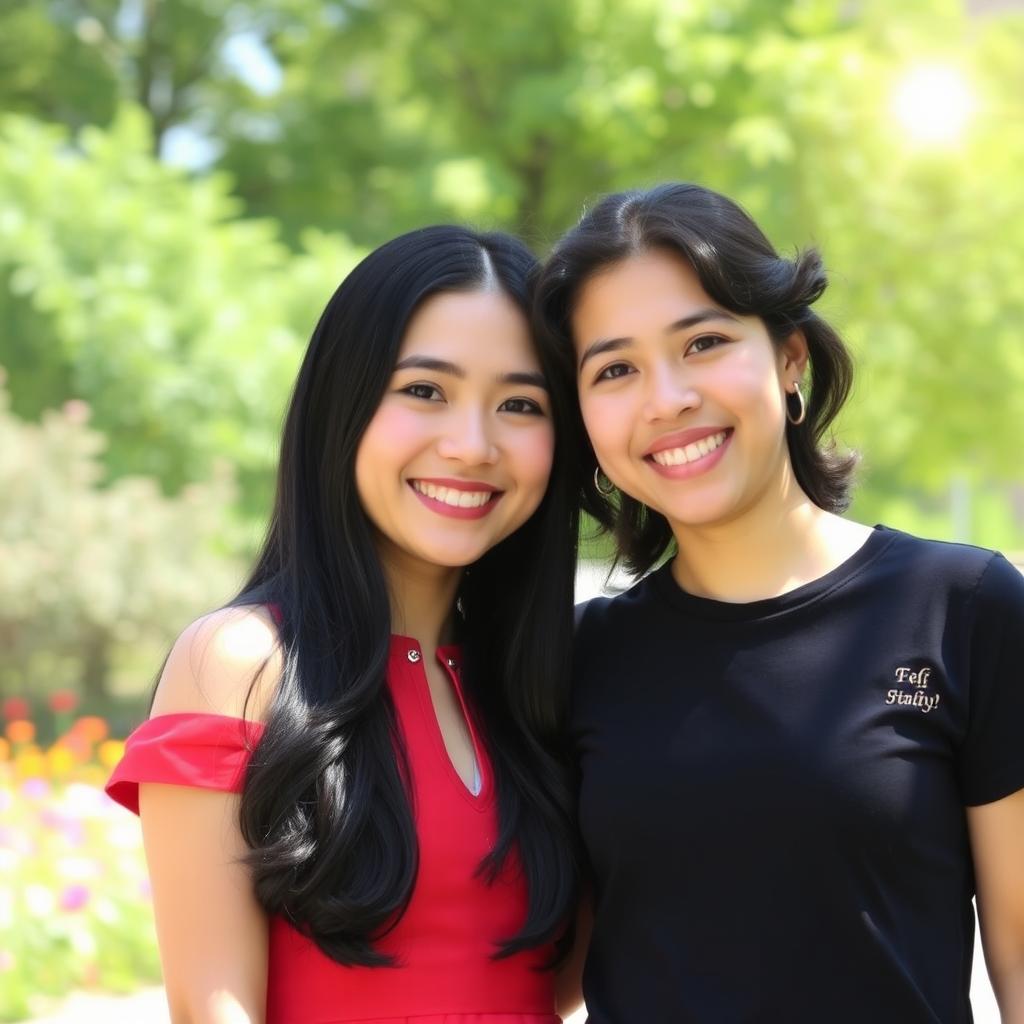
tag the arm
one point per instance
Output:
(997, 843)
(569, 979)
(211, 931)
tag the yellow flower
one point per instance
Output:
(5, 749)
(92, 775)
(110, 752)
(62, 760)
(30, 763)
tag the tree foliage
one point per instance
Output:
(146, 295)
(177, 304)
(91, 568)
(76, 61)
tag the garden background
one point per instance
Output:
(183, 183)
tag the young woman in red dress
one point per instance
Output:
(350, 792)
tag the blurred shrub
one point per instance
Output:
(91, 569)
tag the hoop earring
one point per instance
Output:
(802, 414)
(606, 491)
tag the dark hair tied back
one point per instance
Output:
(741, 271)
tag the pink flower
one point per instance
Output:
(74, 897)
(49, 817)
(73, 832)
(35, 789)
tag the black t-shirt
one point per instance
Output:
(772, 794)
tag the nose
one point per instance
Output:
(468, 438)
(669, 393)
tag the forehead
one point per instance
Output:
(636, 296)
(468, 328)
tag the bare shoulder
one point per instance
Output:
(225, 663)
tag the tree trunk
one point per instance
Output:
(96, 666)
(533, 172)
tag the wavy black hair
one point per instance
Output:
(325, 808)
(742, 272)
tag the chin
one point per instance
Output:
(450, 557)
(700, 513)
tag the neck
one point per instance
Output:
(777, 545)
(422, 599)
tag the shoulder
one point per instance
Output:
(610, 623)
(1001, 588)
(225, 663)
(975, 584)
(944, 563)
(635, 600)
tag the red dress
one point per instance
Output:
(444, 941)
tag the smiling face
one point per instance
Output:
(684, 402)
(458, 454)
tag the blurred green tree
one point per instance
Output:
(141, 292)
(370, 117)
(75, 61)
(48, 70)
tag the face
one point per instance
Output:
(684, 401)
(459, 452)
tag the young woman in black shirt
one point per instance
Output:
(801, 740)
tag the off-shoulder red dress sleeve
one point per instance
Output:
(201, 750)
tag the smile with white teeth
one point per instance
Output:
(691, 452)
(452, 496)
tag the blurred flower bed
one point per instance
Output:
(75, 909)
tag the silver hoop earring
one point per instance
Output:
(606, 491)
(802, 414)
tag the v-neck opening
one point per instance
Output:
(449, 657)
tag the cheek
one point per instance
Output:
(387, 442)
(609, 421)
(392, 431)
(533, 455)
(751, 379)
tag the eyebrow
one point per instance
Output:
(528, 378)
(698, 316)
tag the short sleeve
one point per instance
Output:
(205, 751)
(992, 756)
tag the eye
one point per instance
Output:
(705, 343)
(614, 371)
(427, 392)
(523, 406)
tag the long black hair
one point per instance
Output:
(741, 271)
(325, 808)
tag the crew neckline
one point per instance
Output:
(748, 611)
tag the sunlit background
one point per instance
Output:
(184, 182)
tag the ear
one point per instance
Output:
(793, 356)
